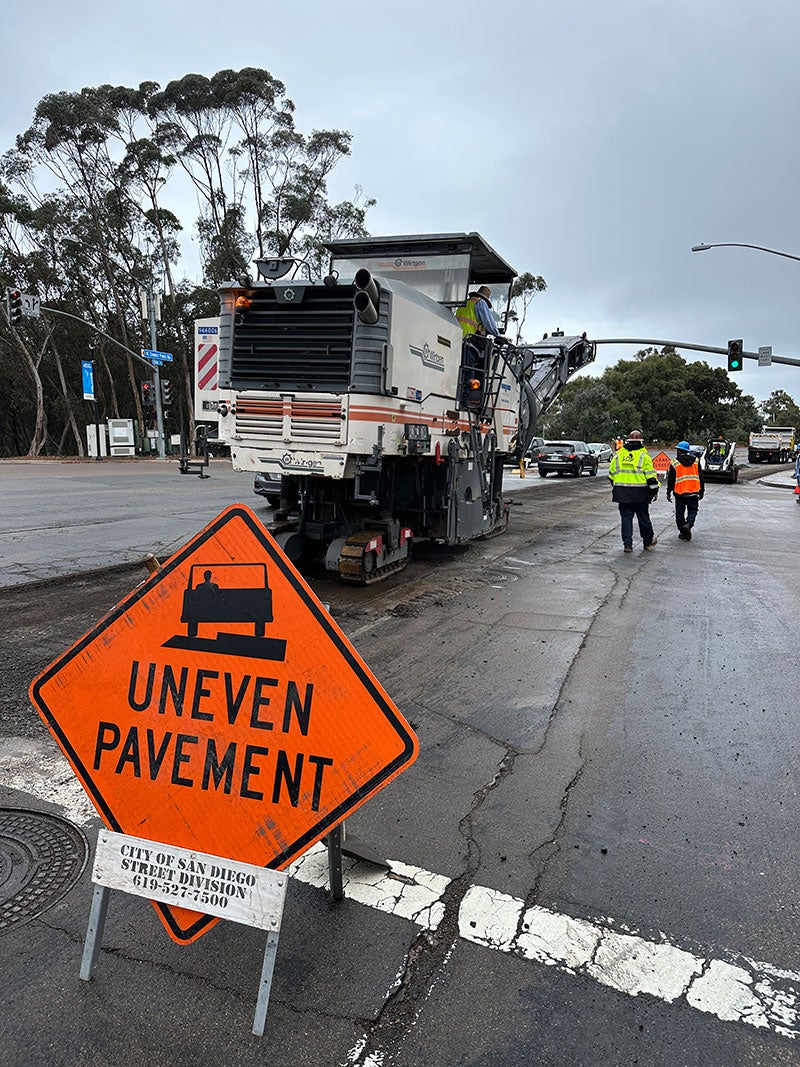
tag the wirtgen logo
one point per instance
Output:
(430, 357)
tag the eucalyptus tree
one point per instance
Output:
(524, 289)
(105, 165)
(261, 185)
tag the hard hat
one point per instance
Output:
(635, 435)
(683, 446)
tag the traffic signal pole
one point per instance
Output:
(685, 344)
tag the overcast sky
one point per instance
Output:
(592, 143)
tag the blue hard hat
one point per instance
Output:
(684, 446)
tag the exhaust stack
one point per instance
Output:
(367, 299)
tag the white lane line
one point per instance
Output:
(410, 892)
(632, 964)
(737, 989)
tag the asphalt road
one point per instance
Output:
(597, 846)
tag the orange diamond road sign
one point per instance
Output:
(662, 462)
(219, 708)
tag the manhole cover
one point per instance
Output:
(498, 577)
(41, 858)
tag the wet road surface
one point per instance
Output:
(597, 848)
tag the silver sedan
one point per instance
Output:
(603, 452)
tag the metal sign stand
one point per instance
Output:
(108, 874)
(340, 844)
(187, 466)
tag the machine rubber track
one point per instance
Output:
(357, 565)
(501, 527)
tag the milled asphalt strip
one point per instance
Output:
(734, 990)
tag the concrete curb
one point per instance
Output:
(789, 483)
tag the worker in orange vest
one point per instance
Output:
(685, 480)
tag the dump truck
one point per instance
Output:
(773, 444)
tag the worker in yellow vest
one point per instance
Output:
(685, 480)
(467, 315)
(476, 315)
(634, 486)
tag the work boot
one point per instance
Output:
(652, 544)
(682, 534)
(687, 533)
(627, 548)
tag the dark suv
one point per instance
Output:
(566, 457)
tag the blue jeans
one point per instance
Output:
(642, 513)
(686, 509)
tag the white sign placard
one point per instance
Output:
(31, 306)
(765, 356)
(226, 888)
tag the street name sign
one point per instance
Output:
(219, 708)
(161, 357)
(765, 356)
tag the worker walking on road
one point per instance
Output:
(685, 480)
(634, 485)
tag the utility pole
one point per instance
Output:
(150, 314)
(151, 321)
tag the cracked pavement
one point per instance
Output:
(615, 816)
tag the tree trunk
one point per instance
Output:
(72, 422)
(111, 384)
(39, 438)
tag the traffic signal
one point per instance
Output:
(148, 394)
(735, 358)
(14, 305)
(166, 392)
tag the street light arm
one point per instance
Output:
(740, 244)
(108, 337)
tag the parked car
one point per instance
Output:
(268, 485)
(603, 452)
(566, 457)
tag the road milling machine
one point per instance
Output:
(359, 393)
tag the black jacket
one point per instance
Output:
(671, 479)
